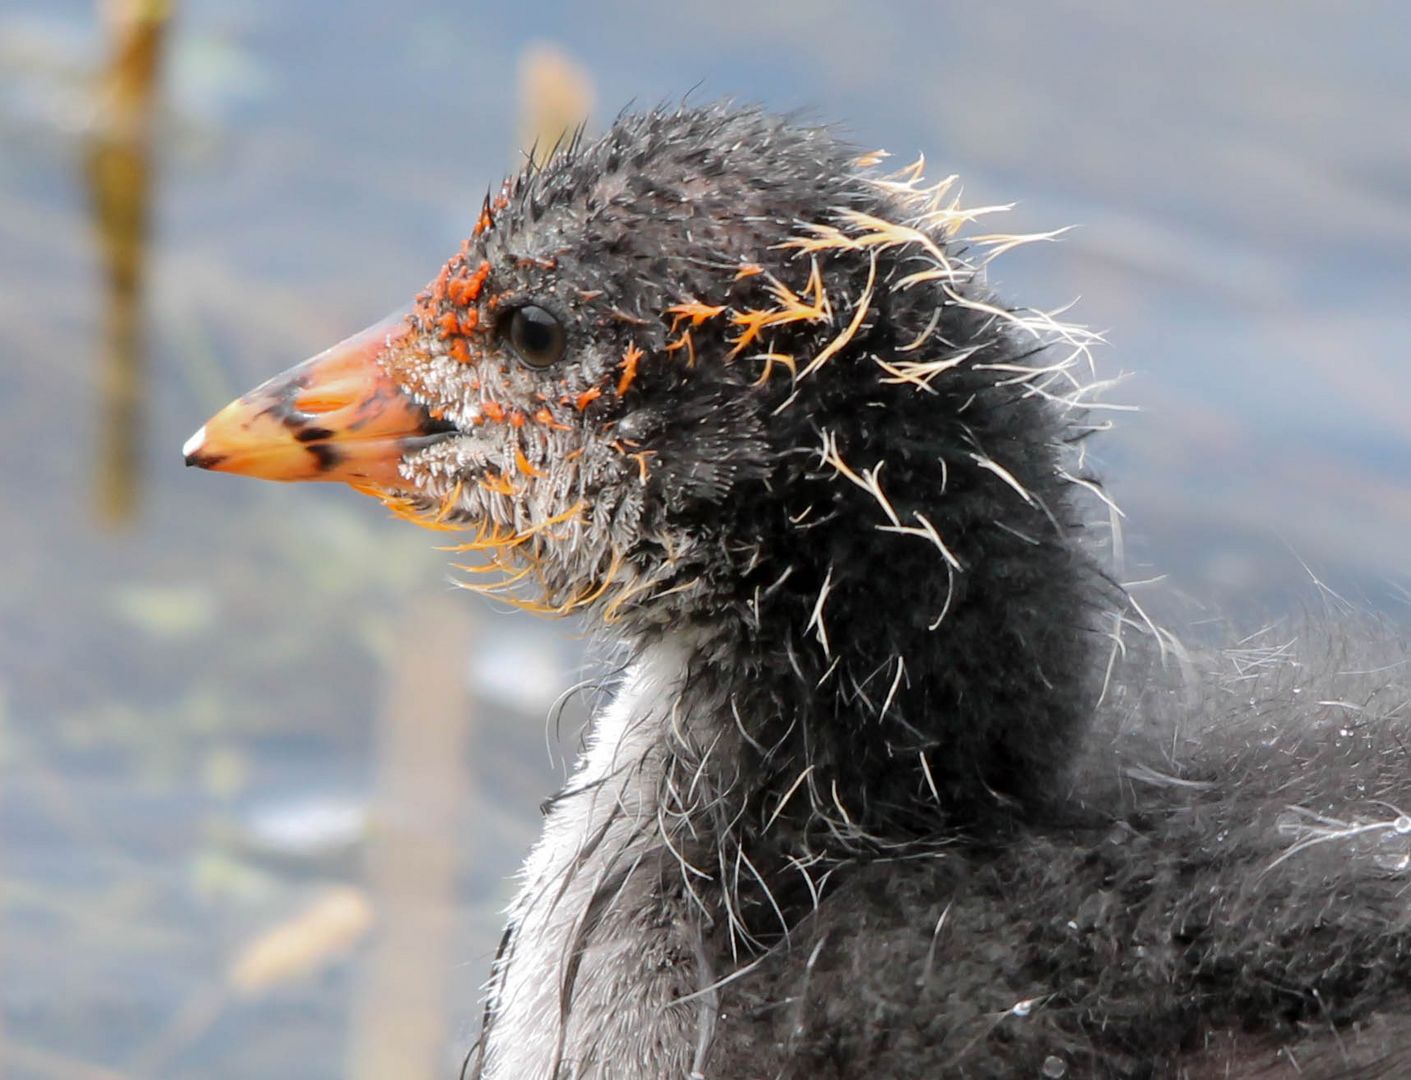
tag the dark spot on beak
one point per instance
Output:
(201, 460)
(281, 404)
(327, 455)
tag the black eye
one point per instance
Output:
(536, 336)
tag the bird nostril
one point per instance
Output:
(317, 402)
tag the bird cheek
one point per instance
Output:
(640, 424)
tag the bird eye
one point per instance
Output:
(536, 336)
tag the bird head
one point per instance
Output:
(664, 374)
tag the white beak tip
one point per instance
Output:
(193, 445)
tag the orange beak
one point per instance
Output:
(338, 416)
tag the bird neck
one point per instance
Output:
(887, 657)
(746, 758)
(834, 713)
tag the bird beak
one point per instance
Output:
(338, 416)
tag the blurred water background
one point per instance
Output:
(263, 773)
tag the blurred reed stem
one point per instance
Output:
(118, 168)
(398, 1029)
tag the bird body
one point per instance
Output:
(895, 781)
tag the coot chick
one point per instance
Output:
(877, 794)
